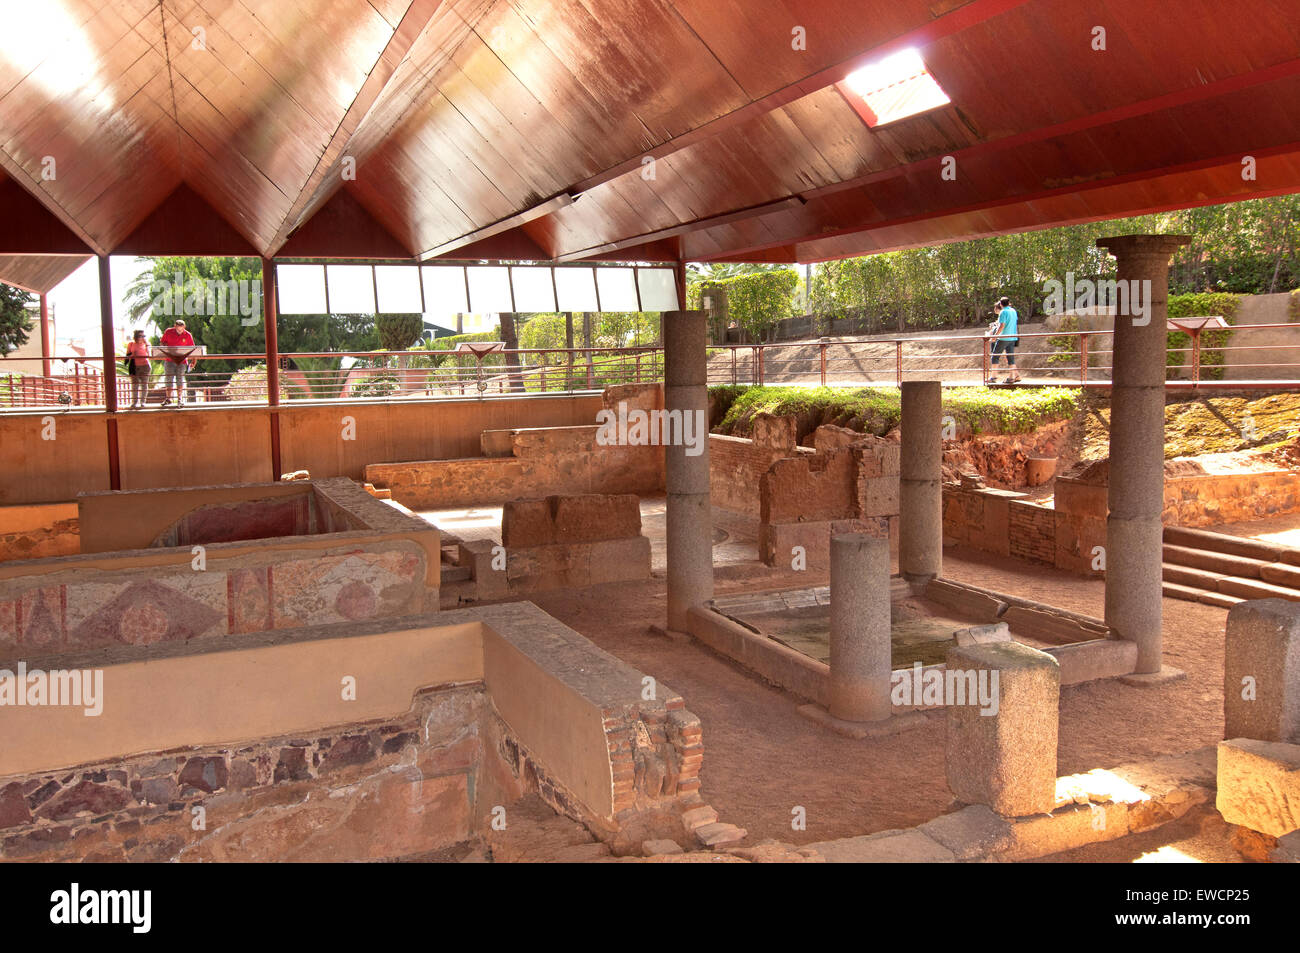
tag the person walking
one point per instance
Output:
(1005, 339)
(138, 366)
(174, 368)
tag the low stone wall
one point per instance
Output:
(39, 530)
(382, 740)
(1208, 490)
(141, 596)
(565, 542)
(542, 462)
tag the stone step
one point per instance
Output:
(1189, 576)
(1256, 589)
(1223, 543)
(1176, 590)
(1225, 563)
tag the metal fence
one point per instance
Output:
(1264, 356)
(224, 379)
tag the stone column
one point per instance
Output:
(1135, 498)
(1261, 671)
(861, 661)
(920, 488)
(1000, 748)
(690, 520)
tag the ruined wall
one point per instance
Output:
(454, 715)
(386, 789)
(848, 483)
(543, 462)
(1205, 491)
(39, 530)
(114, 521)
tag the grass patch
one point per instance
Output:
(976, 410)
(1206, 424)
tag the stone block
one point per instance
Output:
(830, 437)
(775, 433)
(1261, 671)
(878, 496)
(477, 555)
(526, 523)
(1005, 758)
(963, 599)
(1096, 658)
(1259, 785)
(595, 516)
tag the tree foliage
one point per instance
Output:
(1250, 247)
(15, 319)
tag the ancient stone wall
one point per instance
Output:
(543, 462)
(39, 530)
(1206, 491)
(386, 789)
(454, 716)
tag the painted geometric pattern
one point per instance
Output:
(188, 605)
(165, 609)
(347, 587)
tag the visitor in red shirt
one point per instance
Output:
(174, 368)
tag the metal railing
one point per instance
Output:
(224, 379)
(1270, 353)
(1066, 358)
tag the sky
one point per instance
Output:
(76, 303)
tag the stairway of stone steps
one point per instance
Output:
(1221, 570)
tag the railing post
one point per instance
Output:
(823, 355)
(733, 365)
(898, 361)
(1196, 358)
(1083, 358)
(760, 366)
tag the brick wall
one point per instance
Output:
(1032, 532)
(736, 465)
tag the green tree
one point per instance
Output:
(199, 290)
(15, 319)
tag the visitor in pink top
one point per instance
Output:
(174, 368)
(137, 355)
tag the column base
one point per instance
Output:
(1166, 674)
(892, 725)
(666, 633)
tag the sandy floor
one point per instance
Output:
(762, 759)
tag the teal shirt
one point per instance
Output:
(1008, 321)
